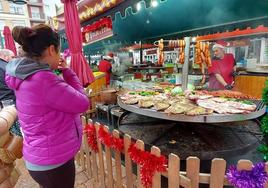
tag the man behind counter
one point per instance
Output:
(222, 69)
(105, 66)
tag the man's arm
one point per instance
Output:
(220, 79)
(234, 68)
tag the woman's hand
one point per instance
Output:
(62, 64)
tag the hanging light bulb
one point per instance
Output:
(154, 3)
(138, 6)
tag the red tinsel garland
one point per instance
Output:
(90, 131)
(108, 140)
(149, 164)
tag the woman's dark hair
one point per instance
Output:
(35, 40)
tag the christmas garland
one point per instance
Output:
(265, 93)
(263, 148)
(90, 131)
(110, 141)
(149, 164)
(254, 178)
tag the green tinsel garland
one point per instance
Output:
(264, 150)
(264, 124)
(265, 93)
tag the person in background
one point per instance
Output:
(105, 66)
(222, 69)
(5, 92)
(49, 106)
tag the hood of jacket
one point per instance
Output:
(20, 69)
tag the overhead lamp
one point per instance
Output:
(154, 3)
(19, 2)
(138, 6)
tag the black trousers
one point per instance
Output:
(60, 177)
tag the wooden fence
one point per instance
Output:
(106, 169)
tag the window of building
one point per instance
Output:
(47, 11)
(19, 23)
(35, 12)
(47, 8)
(15, 9)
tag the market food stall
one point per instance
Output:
(215, 113)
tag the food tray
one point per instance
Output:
(213, 118)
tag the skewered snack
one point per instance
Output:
(161, 52)
(181, 45)
(202, 54)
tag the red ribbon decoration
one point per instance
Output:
(149, 164)
(108, 140)
(90, 131)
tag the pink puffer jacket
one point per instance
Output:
(49, 110)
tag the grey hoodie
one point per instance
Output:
(23, 67)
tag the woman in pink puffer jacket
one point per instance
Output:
(49, 107)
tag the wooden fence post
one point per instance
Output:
(139, 145)
(157, 176)
(192, 170)
(218, 168)
(117, 154)
(109, 164)
(100, 156)
(93, 159)
(173, 171)
(86, 148)
(82, 148)
(266, 169)
(244, 165)
(128, 163)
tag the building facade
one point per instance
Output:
(12, 14)
(36, 12)
(40, 11)
(33, 13)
